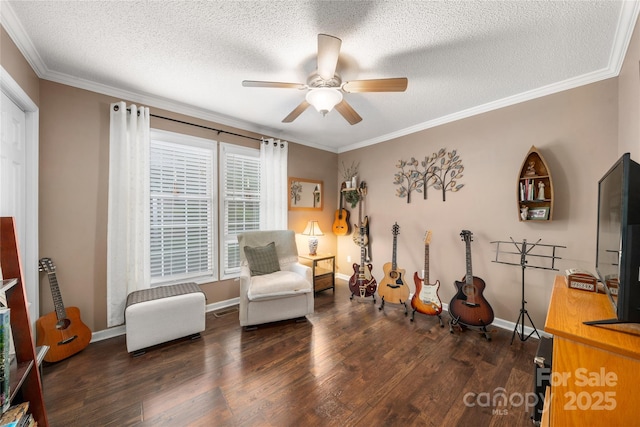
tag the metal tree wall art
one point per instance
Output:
(441, 170)
(408, 179)
(447, 173)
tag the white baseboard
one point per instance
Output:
(500, 323)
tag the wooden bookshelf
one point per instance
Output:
(25, 380)
(534, 174)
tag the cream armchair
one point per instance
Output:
(273, 284)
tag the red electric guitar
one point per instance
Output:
(62, 330)
(426, 299)
(362, 283)
(468, 307)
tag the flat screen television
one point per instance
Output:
(618, 239)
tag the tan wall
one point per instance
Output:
(629, 99)
(18, 67)
(74, 171)
(575, 130)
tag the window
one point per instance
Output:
(240, 205)
(182, 208)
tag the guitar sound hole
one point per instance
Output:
(393, 274)
(63, 324)
(469, 290)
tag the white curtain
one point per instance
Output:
(128, 266)
(273, 188)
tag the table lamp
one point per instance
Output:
(313, 230)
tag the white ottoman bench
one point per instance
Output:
(164, 313)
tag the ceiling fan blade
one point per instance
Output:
(296, 112)
(328, 52)
(398, 84)
(257, 83)
(348, 112)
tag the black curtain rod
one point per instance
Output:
(204, 127)
(199, 126)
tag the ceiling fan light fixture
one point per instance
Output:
(324, 99)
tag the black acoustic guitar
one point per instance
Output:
(468, 306)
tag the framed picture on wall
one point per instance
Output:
(305, 194)
(541, 213)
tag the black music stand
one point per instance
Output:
(524, 251)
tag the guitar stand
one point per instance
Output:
(456, 322)
(413, 315)
(524, 251)
(363, 291)
(406, 312)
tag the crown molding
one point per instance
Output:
(626, 24)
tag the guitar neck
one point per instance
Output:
(61, 313)
(394, 266)
(426, 264)
(469, 277)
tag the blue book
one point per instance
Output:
(5, 361)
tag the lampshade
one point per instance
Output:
(312, 230)
(324, 98)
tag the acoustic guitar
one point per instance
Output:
(362, 283)
(62, 330)
(468, 306)
(426, 299)
(392, 287)
(341, 221)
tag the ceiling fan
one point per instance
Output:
(325, 87)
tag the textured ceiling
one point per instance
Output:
(461, 58)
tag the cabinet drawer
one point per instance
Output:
(323, 282)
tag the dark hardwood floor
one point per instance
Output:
(349, 364)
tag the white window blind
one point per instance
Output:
(182, 208)
(240, 210)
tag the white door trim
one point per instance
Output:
(12, 89)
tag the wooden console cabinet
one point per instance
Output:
(595, 369)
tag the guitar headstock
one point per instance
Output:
(395, 229)
(46, 265)
(466, 235)
(427, 238)
(362, 189)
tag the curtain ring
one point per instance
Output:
(116, 107)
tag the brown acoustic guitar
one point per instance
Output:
(341, 223)
(468, 307)
(426, 299)
(392, 288)
(62, 330)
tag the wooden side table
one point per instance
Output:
(323, 271)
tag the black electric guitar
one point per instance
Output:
(62, 330)
(426, 299)
(341, 221)
(362, 283)
(468, 306)
(392, 287)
